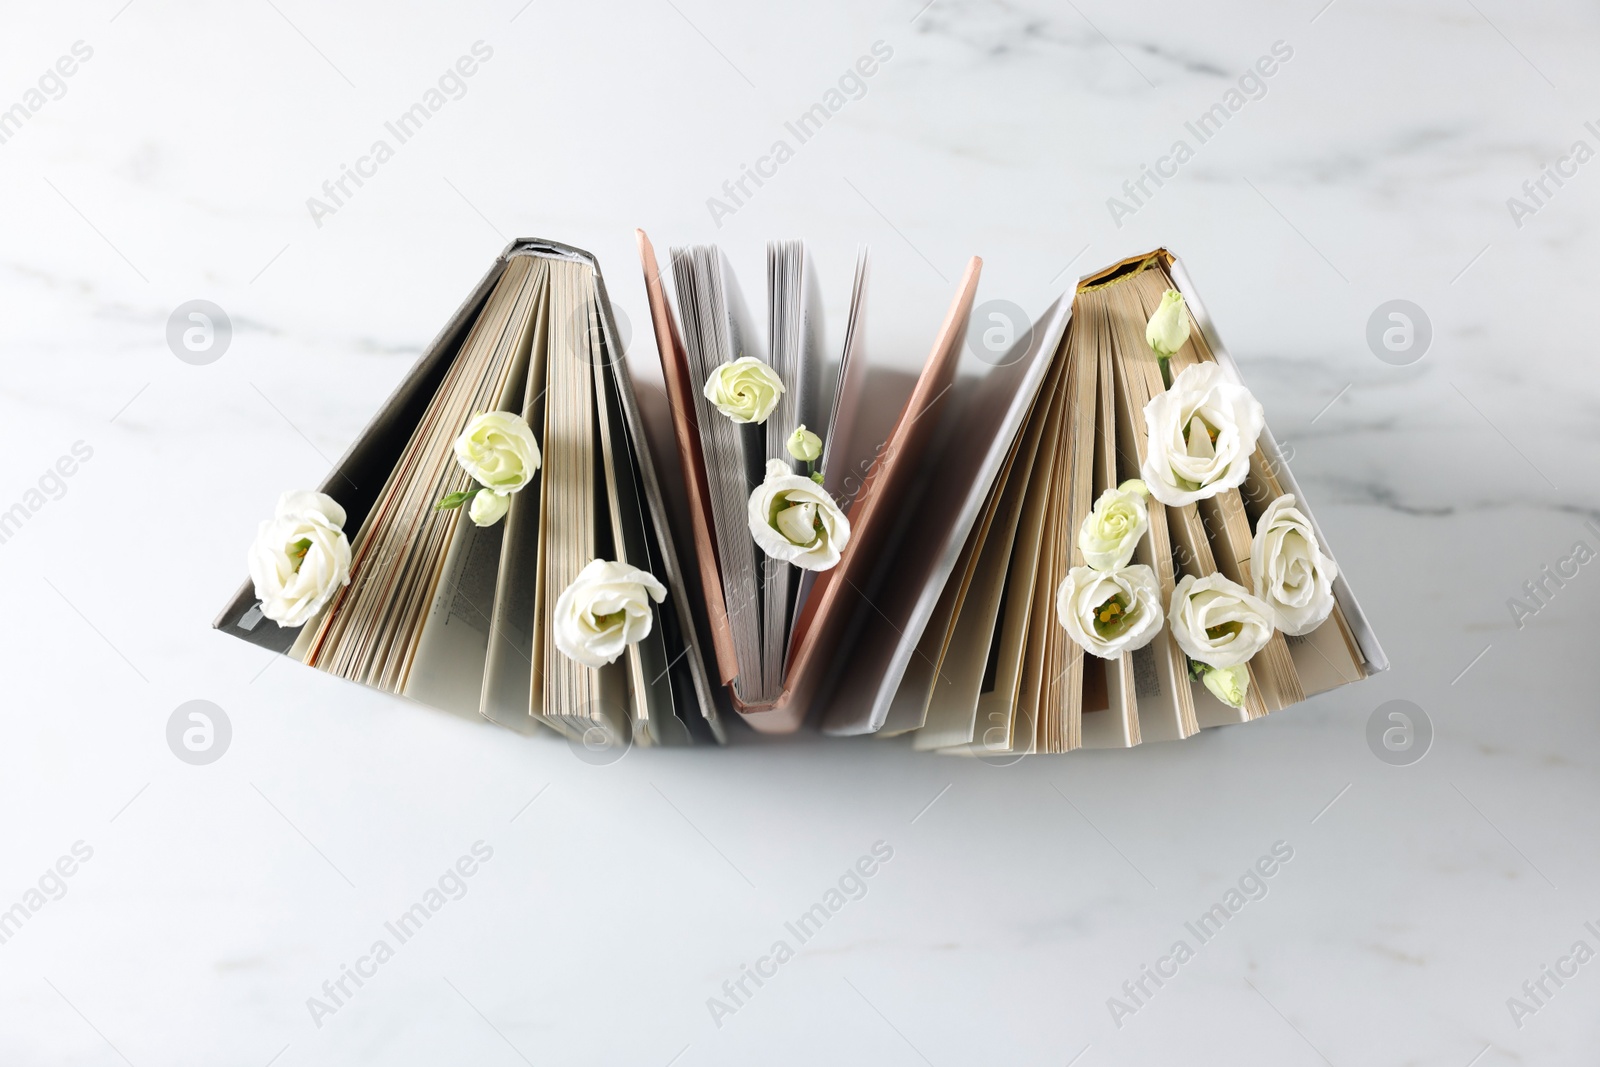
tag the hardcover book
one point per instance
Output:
(990, 666)
(457, 614)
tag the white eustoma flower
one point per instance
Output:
(300, 557)
(1112, 530)
(1202, 433)
(794, 519)
(745, 390)
(1168, 329)
(498, 450)
(1228, 684)
(604, 610)
(1110, 612)
(1217, 621)
(488, 507)
(1289, 570)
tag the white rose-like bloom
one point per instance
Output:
(488, 507)
(604, 610)
(745, 390)
(1168, 329)
(1217, 621)
(1289, 570)
(1112, 530)
(1110, 612)
(794, 519)
(1202, 433)
(300, 557)
(497, 448)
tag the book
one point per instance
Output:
(776, 633)
(983, 664)
(456, 614)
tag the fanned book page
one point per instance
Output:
(716, 331)
(886, 658)
(997, 673)
(370, 629)
(761, 595)
(456, 571)
(775, 631)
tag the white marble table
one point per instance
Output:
(175, 164)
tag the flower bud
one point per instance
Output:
(1168, 330)
(1228, 684)
(488, 507)
(803, 444)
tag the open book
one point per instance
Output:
(986, 667)
(457, 615)
(776, 630)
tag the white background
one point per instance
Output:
(219, 898)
